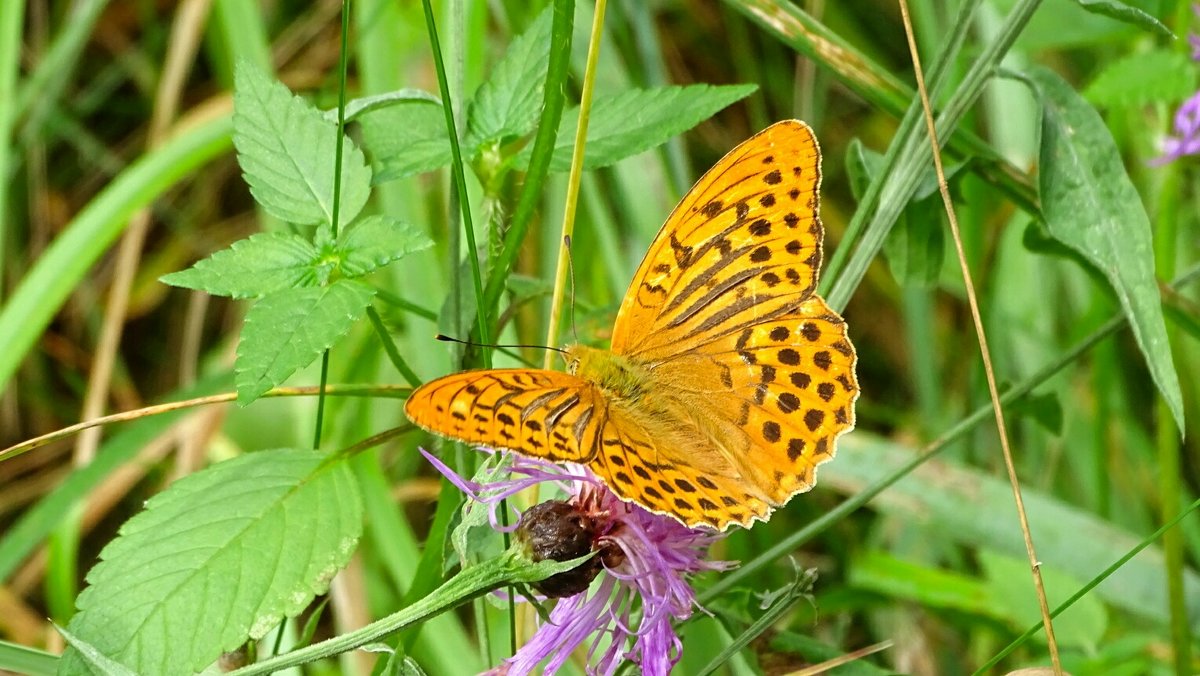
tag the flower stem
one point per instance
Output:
(511, 567)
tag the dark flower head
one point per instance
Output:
(641, 556)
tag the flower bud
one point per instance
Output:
(558, 531)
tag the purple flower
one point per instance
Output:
(645, 557)
(1186, 140)
(1194, 39)
(1186, 137)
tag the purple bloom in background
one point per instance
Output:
(645, 556)
(1186, 137)
(1186, 140)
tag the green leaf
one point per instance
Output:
(1045, 409)
(376, 241)
(221, 556)
(883, 573)
(1090, 205)
(637, 120)
(1157, 76)
(286, 151)
(407, 139)
(999, 596)
(254, 267)
(96, 661)
(473, 538)
(356, 108)
(915, 247)
(1114, 9)
(288, 329)
(508, 104)
(968, 506)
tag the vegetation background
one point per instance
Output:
(96, 196)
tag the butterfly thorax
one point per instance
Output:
(618, 376)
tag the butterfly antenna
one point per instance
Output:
(571, 271)
(447, 339)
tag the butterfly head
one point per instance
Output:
(617, 375)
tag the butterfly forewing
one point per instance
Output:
(743, 245)
(723, 314)
(545, 414)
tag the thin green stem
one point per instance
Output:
(554, 100)
(389, 347)
(463, 587)
(460, 184)
(573, 179)
(408, 306)
(511, 567)
(339, 142)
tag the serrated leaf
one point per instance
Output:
(508, 103)
(1091, 205)
(376, 241)
(254, 266)
(407, 139)
(95, 661)
(637, 120)
(1114, 9)
(1156, 76)
(221, 556)
(286, 151)
(287, 330)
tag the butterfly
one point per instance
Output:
(729, 380)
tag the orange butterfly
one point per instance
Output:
(729, 379)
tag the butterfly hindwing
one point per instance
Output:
(544, 414)
(673, 472)
(793, 388)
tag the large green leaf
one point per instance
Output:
(286, 150)
(288, 329)
(221, 556)
(637, 120)
(509, 102)
(999, 595)
(253, 267)
(1090, 205)
(967, 506)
